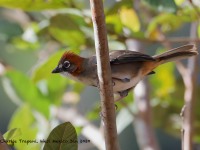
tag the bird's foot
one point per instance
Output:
(125, 80)
(116, 107)
(123, 94)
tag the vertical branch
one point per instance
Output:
(104, 75)
(143, 120)
(189, 75)
(190, 84)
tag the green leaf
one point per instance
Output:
(36, 4)
(94, 113)
(24, 120)
(46, 81)
(24, 45)
(62, 137)
(18, 85)
(44, 70)
(166, 22)
(114, 23)
(55, 93)
(162, 5)
(64, 28)
(78, 129)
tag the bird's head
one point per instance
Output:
(70, 63)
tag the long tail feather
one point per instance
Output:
(177, 53)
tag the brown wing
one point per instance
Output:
(126, 56)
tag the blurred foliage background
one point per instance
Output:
(35, 33)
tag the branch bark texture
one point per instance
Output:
(104, 75)
(189, 75)
(143, 122)
(143, 127)
(190, 80)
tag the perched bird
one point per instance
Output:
(127, 67)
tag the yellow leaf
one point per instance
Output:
(154, 34)
(129, 19)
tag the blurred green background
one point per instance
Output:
(35, 33)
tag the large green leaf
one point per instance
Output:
(23, 45)
(43, 71)
(36, 4)
(162, 5)
(165, 22)
(66, 29)
(93, 114)
(62, 137)
(114, 23)
(24, 120)
(56, 85)
(19, 85)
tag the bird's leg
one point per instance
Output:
(125, 80)
(122, 80)
(123, 94)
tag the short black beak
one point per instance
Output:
(57, 70)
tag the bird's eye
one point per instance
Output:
(66, 64)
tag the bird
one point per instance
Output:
(127, 67)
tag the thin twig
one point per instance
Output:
(104, 75)
(182, 130)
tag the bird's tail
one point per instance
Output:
(177, 54)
